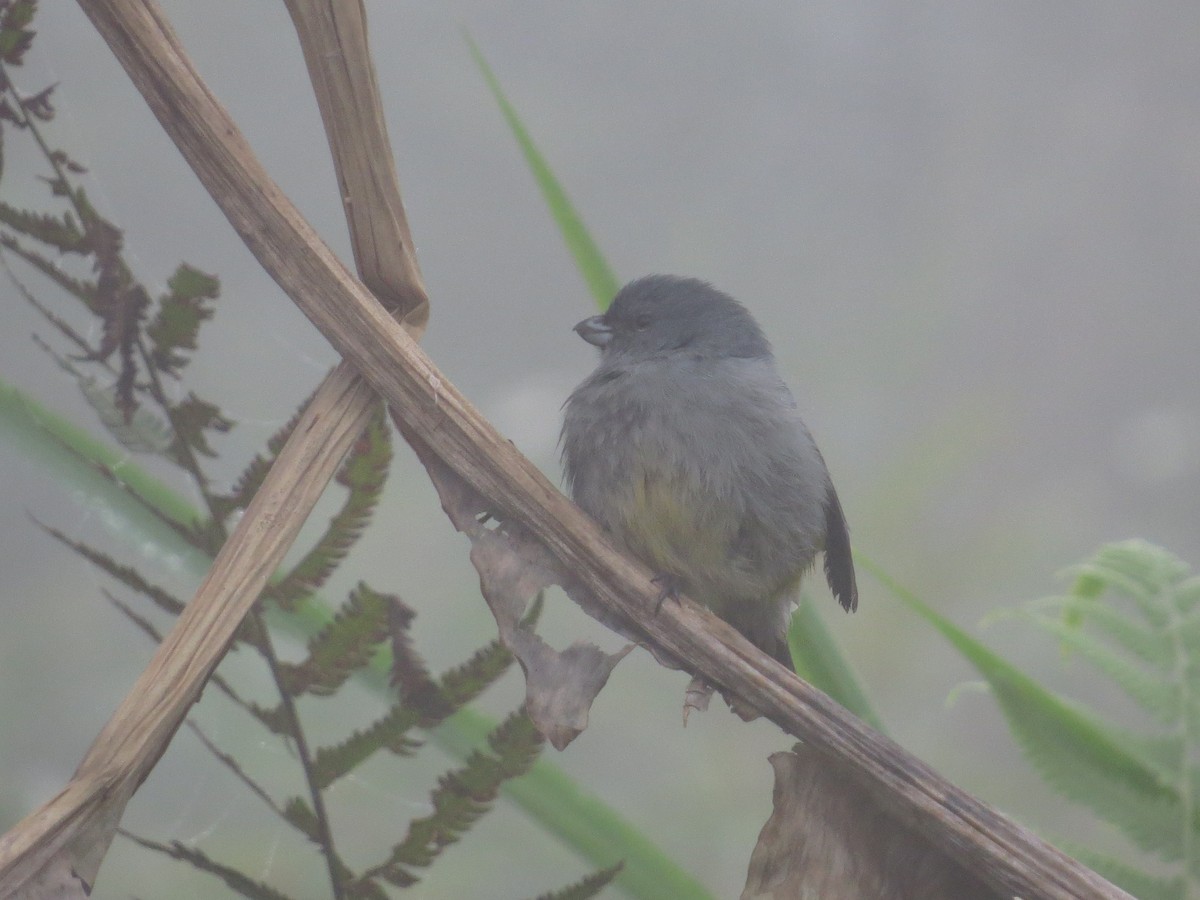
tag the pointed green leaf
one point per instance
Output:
(817, 660)
(591, 263)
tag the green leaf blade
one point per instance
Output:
(597, 275)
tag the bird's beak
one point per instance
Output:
(595, 331)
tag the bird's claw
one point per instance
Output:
(668, 589)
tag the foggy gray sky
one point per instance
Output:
(970, 231)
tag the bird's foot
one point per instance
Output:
(669, 588)
(696, 697)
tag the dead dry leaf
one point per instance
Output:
(828, 839)
(513, 567)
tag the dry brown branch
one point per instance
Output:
(333, 36)
(986, 843)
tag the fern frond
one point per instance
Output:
(83, 290)
(389, 732)
(127, 575)
(462, 684)
(301, 816)
(465, 794)
(1134, 637)
(422, 704)
(180, 313)
(409, 674)
(365, 889)
(363, 473)
(1159, 698)
(232, 765)
(1139, 884)
(252, 476)
(59, 232)
(587, 887)
(1076, 753)
(15, 35)
(516, 743)
(192, 419)
(274, 718)
(1133, 618)
(235, 880)
(1137, 569)
(343, 646)
(61, 325)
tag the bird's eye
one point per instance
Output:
(642, 322)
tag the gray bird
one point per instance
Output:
(685, 444)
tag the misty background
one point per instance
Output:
(970, 230)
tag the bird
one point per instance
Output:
(686, 446)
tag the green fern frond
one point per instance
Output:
(15, 34)
(1135, 619)
(516, 743)
(230, 763)
(1138, 570)
(343, 646)
(193, 419)
(301, 816)
(462, 684)
(241, 883)
(1080, 756)
(274, 718)
(251, 478)
(1147, 688)
(1085, 761)
(1135, 637)
(180, 313)
(82, 289)
(127, 575)
(59, 232)
(363, 473)
(587, 887)
(1134, 881)
(465, 794)
(389, 732)
(423, 705)
(365, 889)
(1187, 596)
(409, 674)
